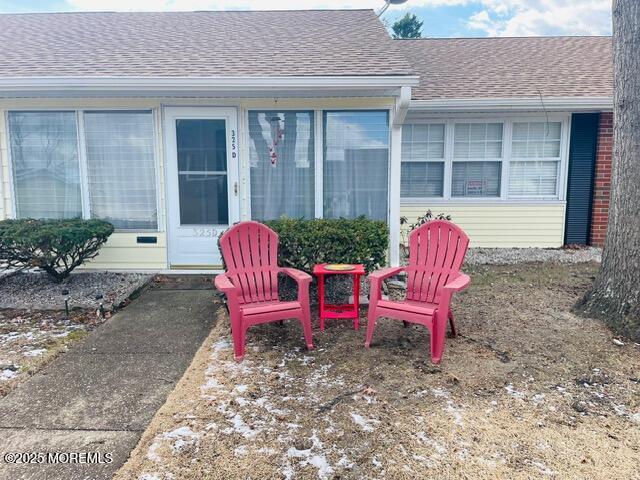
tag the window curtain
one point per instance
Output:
(356, 164)
(121, 168)
(281, 158)
(46, 172)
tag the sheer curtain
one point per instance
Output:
(46, 171)
(121, 168)
(282, 185)
(356, 164)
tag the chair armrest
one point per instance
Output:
(303, 280)
(298, 275)
(459, 283)
(376, 279)
(223, 284)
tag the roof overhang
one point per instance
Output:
(513, 104)
(295, 86)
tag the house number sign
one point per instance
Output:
(204, 232)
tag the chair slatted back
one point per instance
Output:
(250, 251)
(436, 253)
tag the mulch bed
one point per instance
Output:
(528, 390)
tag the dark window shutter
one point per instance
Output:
(582, 160)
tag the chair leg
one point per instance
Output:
(452, 323)
(371, 325)
(438, 333)
(238, 332)
(305, 320)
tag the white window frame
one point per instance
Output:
(82, 158)
(442, 160)
(318, 152)
(507, 131)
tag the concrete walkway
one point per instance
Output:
(100, 396)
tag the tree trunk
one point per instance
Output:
(615, 296)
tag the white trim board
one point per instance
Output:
(512, 104)
(386, 85)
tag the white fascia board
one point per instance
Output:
(513, 104)
(199, 84)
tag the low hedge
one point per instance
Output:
(304, 243)
(54, 246)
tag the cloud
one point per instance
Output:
(542, 17)
(493, 17)
(161, 5)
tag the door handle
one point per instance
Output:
(235, 188)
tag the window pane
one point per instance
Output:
(476, 179)
(203, 199)
(281, 156)
(202, 171)
(356, 164)
(477, 140)
(536, 139)
(422, 141)
(533, 178)
(422, 179)
(44, 153)
(121, 168)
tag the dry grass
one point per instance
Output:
(527, 391)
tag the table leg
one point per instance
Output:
(321, 300)
(356, 301)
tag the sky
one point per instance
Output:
(442, 18)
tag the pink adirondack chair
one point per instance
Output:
(250, 251)
(436, 253)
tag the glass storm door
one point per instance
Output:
(202, 168)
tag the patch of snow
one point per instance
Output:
(36, 352)
(182, 438)
(538, 398)
(437, 447)
(542, 468)
(367, 424)
(513, 392)
(241, 388)
(376, 463)
(222, 344)
(309, 457)
(344, 462)
(239, 426)
(240, 451)
(149, 476)
(455, 412)
(264, 403)
(440, 392)
(8, 374)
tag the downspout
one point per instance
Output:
(399, 114)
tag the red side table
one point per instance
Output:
(346, 310)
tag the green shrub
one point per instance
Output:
(54, 246)
(304, 243)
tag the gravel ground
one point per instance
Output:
(511, 256)
(34, 291)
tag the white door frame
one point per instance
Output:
(172, 201)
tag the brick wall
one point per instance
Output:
(602, 180)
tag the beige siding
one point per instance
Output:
(501, 225)
(122, 252)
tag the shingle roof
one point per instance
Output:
(458, 68)
(198, 44)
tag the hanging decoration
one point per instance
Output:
(277, 134)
